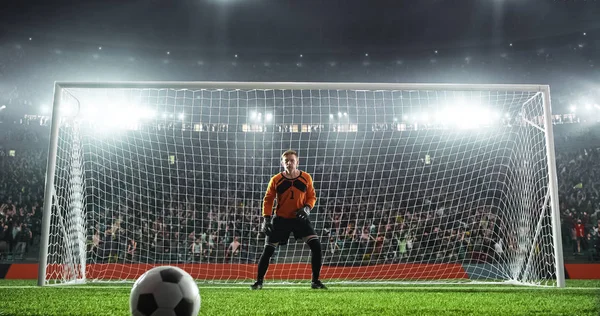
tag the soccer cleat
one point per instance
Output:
(256, 286)
(317, 285)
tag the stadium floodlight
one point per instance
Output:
(2, 107)
(440, 204)
(181, 116)
(496, 116)
(439, 117)
(573, 109)
(268, 117)
(147, 113)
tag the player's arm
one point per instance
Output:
(309, 199)
(269, 199)
(267, 211)
(311, 196)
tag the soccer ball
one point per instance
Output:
(164, 291)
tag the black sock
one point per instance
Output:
(316, 259)
(263, 263)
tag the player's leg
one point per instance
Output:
(263, 264)
(316, 260)
(280, 232)
(305, 230)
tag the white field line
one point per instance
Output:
(331, 287)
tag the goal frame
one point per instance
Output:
(185, 85)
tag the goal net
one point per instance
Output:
(415, 183)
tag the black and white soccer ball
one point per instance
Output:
(164, 290)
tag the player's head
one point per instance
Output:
(289, 160)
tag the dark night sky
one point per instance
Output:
(296, 26)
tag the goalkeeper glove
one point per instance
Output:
(267, 225)
(303, 213)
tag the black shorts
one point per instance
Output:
(282, 227)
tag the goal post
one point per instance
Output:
(419, 183)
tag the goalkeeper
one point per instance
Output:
(295, 196)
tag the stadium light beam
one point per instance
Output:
(44, 109)
(148, 113)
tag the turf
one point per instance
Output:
(579, 298)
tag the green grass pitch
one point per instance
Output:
(581, 297)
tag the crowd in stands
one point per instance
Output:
(21, 198)
(579, 190)
(142, 207)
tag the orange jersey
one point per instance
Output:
(291, 194)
